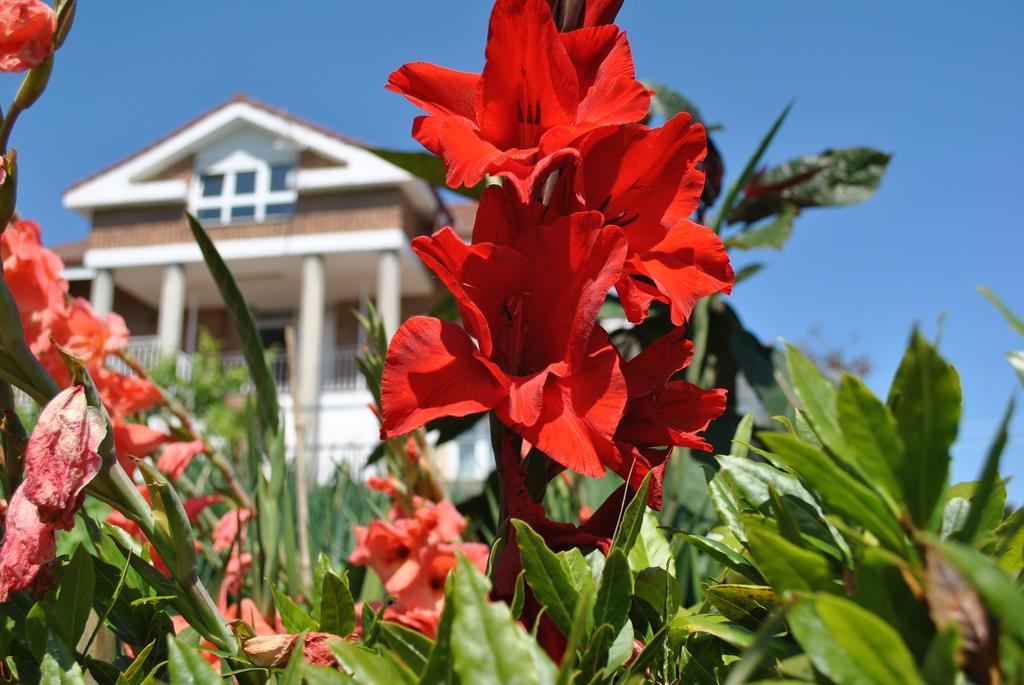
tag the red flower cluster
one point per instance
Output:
(26, 34)
(590, 200)
(413, 551)
(60, 460)
(50, 317)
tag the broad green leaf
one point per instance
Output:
(1009, 548)
(784, 518)
(632, 518)
(788, 566)
(428, 167)
(725, 502)
(712, 624)
(747, 271)
(959, 500)
(652, 653)
(940, 665)
(58, 665)
(925, 399)
(660, 591)
(870, 431)
(294, 617)
(850, 645)
(440, 664)
(747, 605)
(595, 653)
(880, 586)
(337, 608)
(612, 604)
(547, 577)
(575, 564)
(760, 366)
(999, 593)
(668, 102)
(133, 673)
(723, 554)
(651, 549)
(244, 325)
(575, 638)
(75, 594)
(487, 644)
(368, 666)
(819, 399)
(518, 596)
(845, 176)
(410, 646)
(982, 497)
(622, 647)
(187, 666)
(772, 234)
(843, 494)
(741, 438)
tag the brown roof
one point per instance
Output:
(72, 253)
(239, 97)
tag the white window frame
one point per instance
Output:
(230, 166)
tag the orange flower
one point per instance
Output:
(26, 34)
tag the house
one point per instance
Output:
(310, 223)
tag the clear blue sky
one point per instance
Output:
(936, 84)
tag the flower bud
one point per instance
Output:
(33, 85)
(172, 517)
(270, 651)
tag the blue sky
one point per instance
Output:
(931, 83)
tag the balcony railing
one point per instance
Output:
(340, 371)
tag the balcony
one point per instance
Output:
(340, 371)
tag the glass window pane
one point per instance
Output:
(208, 214)
(279, 176)
(245, 182)
(280, 209)
(243, 212)
(213, 184)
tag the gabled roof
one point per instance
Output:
(131, 181)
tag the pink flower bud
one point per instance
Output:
(26, 33)
(28, 548)
(61, 458)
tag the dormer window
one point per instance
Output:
(243, 188)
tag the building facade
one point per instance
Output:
(310, 223)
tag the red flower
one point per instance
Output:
(126, 395)
(661, 413)
(135, 440)
(538, 361)
(176, 457)
(61, 458)
(29, 548)
(26, 33)
(539, 90)
(273, 651)
(229, 528)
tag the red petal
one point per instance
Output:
(437, 89)
(672, 416)
(527, 68)
(600, 52)
(598, 12)
(686, 263)
(654, 366)
(481, 277)
(467, 156)
(433, 370)
(61, 458)
(28, 548)
(581, 411)
(575, 261)
(176, 457)
(613, 101)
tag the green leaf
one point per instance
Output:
(926, 400)
(1015, 322)
(576, 566)
(487, 644)
(612, 603)
(367, 666)
(575, 637)
(819, 399)
(518, 596)
(187, 666)
(747, 605)
(294, 617)
(772, 234)
(337, 608)
(940, 665)
(734, 190)
(651, 549)
(983, 491)
(660, 591)
(244, 325)
(723, 554)
(668, 102)
(546, 576)
(622, 647)
(652, 653)
(632, 519)
(58, 665)
(1016, 360)
(427, 167)
(440, 664)
(75, 594)
(844, 176)
(133, 673)
(595, 653)
(1001, 596)
(870, 430)
(411, 646)
(850, 645)
(787, 565)
(845, 495)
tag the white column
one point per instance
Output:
(172, 309)
(311, 338)
(389, 290)
(101, 296)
